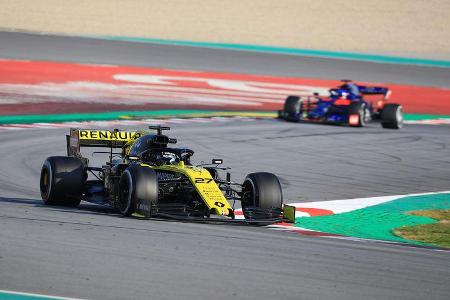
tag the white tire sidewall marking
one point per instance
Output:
(50, 178)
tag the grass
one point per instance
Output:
(435, 233)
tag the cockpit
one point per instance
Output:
(153, 149)
(165, 156)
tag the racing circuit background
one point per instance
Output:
(233, 65)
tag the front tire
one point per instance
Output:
(261, 196)
(292, 108)
(138, 190)
(392, 116)
(62, 180)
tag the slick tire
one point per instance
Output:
(392, 116)
(292, 108)
(357, 114)
(62, 180)
(137, 186)
(262, 190)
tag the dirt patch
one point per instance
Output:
(436, 233)
(413, 27)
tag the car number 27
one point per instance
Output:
(203, 180)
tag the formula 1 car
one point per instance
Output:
(345, 105)
(147, 178)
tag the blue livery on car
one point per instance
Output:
(346, 104)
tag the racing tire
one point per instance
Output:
(357, 114)
(137, 185)
(292, 109)
(262, 191)
(392, 116)
(62, 180)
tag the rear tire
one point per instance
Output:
(292, 108)
(62, 180)
(392, 116)
(137, 185)
(262, 191)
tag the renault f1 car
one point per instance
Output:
(346, 104)
(145, 177)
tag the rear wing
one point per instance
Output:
(98, 138)
(357, 89)
(374, 90)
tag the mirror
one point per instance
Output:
(217, 161)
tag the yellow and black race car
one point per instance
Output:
(144, 177)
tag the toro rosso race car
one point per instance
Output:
(144, 177)
(346, 104)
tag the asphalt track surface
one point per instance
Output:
(72, 49)
(91, 252)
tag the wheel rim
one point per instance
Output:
(367, 116)
(363, 115)
(297, 107)
(248, 195)
(125, 193)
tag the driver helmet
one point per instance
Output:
(344, 95)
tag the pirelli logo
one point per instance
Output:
(104, 135)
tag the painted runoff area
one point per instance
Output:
(367, 218)
(38, 91)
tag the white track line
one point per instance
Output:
(9, 293)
